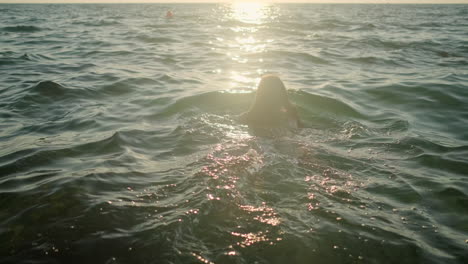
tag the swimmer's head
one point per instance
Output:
(271, 92)
(271, 106)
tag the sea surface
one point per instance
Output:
(119, 141)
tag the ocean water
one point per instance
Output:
(119, 141)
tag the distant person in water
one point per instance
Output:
(271, 107)
(169, 14)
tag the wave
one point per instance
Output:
(78, 67)
(62, 124)
(283, 30)
(109, 52)
(391, 125)
(118, 148)
(410, 147)
(299, 57)
(11, 58)
(363, 27)
(321, 104)
(416, 95)
(430, 24)
(403, 46)
(29, 159)
(22, 28)
(154, 40)
(47, 99)
(237, 23)
(167, 78)
(28, 181)
(48, 89)
(208, 102)
(297, 28)
(427, 146)
(126, 86)
(374, 60)
(98, 23)
(445, 166)
(324, 24)
(378, 43)
(26, 160)
(453, 195)
(8, 59)
(130, 85)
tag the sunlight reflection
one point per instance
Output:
(245, 43)
(243, 80)
(249, 12)
(250, 45)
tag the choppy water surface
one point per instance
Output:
(119, 142)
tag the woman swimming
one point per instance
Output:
(271, 107)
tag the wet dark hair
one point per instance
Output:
(271, 106)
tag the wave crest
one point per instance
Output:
(22, 28)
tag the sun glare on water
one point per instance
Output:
(249, 12)
(247, 19)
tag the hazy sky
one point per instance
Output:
(194, 1)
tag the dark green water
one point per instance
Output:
(118, 139)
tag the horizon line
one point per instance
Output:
(232, 1)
